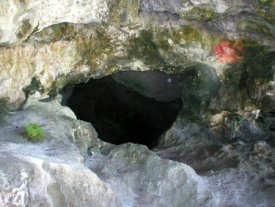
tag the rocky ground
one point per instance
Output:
(60, 172)
(72, 167)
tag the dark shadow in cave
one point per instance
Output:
(120, 114)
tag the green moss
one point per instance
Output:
(267, 2)
(25, 29)
(200, 14)
(245, 83)
(187, 33)
(34, 132)
(95, 48)
(144, 47)
(63, 31)
(64, 80)
(156, 47)
(123, 10)
(185, 1)
(266, 9)
(255, 26)
(162, 39)
(249, 43)
(21, 2)
(177, 35)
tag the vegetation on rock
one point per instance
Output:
(200, 14)
(34, 132)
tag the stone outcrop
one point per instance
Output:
(19, 19)
(59, 172)
(41, 53)
(224, 50)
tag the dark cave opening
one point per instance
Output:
(120, 113)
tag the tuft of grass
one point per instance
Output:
(34, 132)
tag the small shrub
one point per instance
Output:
(34, 132)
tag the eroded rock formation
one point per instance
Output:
(225, 52)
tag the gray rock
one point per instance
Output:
(224, 49)
(58, 172)
(141, 178)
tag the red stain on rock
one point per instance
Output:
(228, 52)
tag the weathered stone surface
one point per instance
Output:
(91, 52)
(235, 161)
(18, 19)
(139, 35)
(30, 181)
(58, 171)
(141, 178)
(49, 173)
(224, 49)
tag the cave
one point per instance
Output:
(136, 107)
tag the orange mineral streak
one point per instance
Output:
(228, 52)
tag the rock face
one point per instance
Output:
(30, 181)
(223, 50)
(51, 173)
(59, 172)
(19, 19)
(44, 54)
(143, 179)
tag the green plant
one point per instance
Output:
(34, 132)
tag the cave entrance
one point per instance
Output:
(129, 106)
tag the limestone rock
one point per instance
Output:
(30, 181)
(59, 172)
(171, 36)
(237, 171)
(143, 179)
(50, 173)
(19, 19)
(224, 50)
